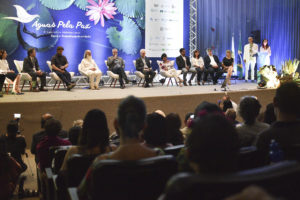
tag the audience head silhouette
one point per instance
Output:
(131, 117)
(94, 130)
(44, 118)
(12, 129)
(287, 99)
(155, 131)
(211, 148)
(53, 127)
(249, 109)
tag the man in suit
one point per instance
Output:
(183, 63)
(31, 66)
(143, 65)
(250, 52)
(59, 65)
(116, 64)
(212, 66)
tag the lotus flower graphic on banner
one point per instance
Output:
(97, 11)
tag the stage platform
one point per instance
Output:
(71, 105)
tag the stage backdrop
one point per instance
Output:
(276, 20)
(77, 25)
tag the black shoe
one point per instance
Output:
(184, 83)
(190, 83)
(198, 82)
(246, 81)
(126, 81)
(215, 82)
(253, 81)
(71, 86)
(42, 89)
(147, 85)
(122, 86)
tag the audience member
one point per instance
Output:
(160, 112)
(131, 119)
(269, 115)
(252, 193)
(186, 130)
(285, 131)
(10, 171)
(174, 135)
(74, 131)
(230, 114)
(211, 148)
(39, 136)
(155, 133)
(94, 137)
(250, 128)
(15, 143)
(52, 128)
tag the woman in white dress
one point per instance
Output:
(89, 67)
(11, 76)
(265, 48)
(167, 69)
(198, 64)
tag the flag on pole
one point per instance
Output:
(240, 58)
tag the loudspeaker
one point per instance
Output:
(256, 36)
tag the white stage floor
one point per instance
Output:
(116, 93)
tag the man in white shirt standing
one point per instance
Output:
(89, 67)
(250, 51)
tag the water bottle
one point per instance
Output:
(275, 153)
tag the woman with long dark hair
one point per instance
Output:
(94, 137)
(198, 64)
(265, 48)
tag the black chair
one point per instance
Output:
(57, 155)
(281, 180)
(292, 152)
(129, 180)
(174, 150)
(249, 158)
(77, 167)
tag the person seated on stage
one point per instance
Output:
(10, 171)
(59, 65)
(94, 137)
(249, 130)
(227, 64)
(15, 143)
(89, 67)
(213, 66)
(250, 52)
(285, 130)
(6, 72)
(130, 121)
(155, 133)
(184, 64)
(39, 136)
(198, 64)
(116, 65)
(167, 69)
(52, 128)
(143, 65)
(31, 66)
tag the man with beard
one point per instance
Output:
(59, 65)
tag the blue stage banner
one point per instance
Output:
(77, 25)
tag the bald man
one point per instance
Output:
(37, 137)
